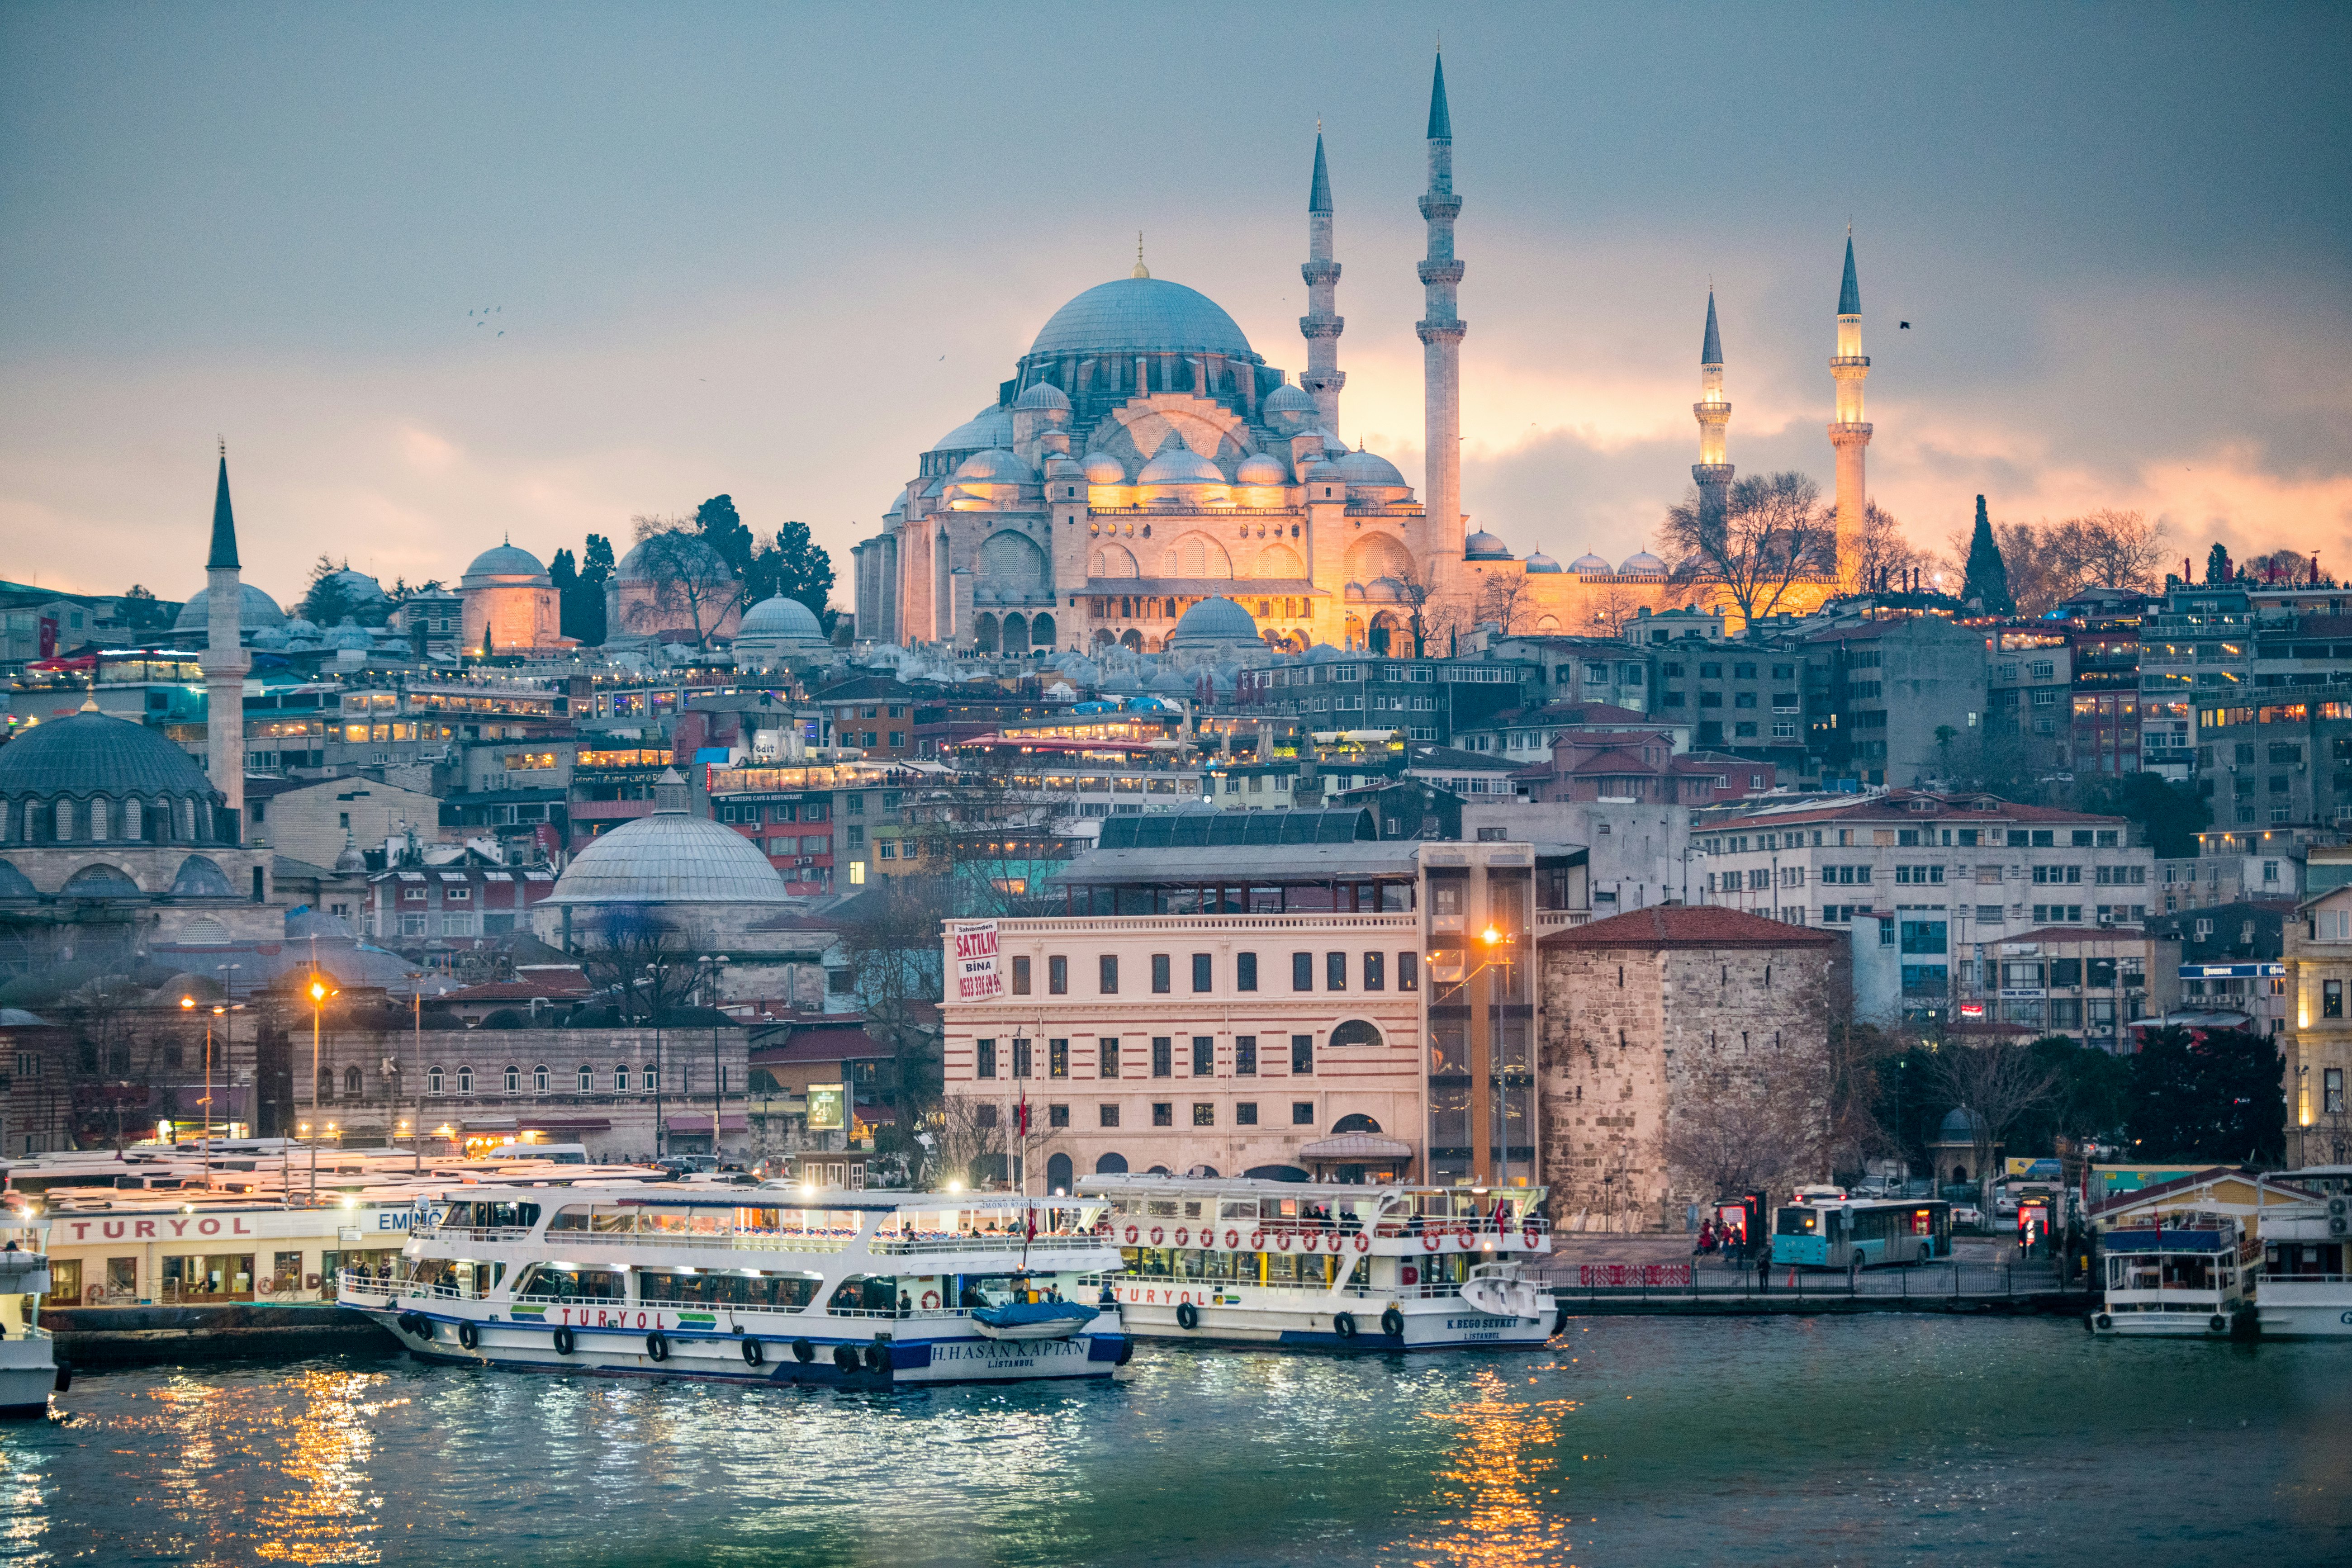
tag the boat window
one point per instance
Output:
(614, 1221)
(751, 1291)
(866, 1293)
(572, 1217)
(545, 1282)
(1163, 1208)
(662, 1222)
(1238, 1208)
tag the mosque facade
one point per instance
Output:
(1143, 457)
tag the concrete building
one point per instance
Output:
(1668, 1016)
(2090, 984)
(2318, 1044)
(317, 822)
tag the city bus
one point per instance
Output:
(1843, 1234)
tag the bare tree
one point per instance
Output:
(105, 1013)
(1774, 533)
(1748, 1118)
(2050, 562)
(1505, 597)
(2120, 550)
(647, 962)
(1415, 590)
(2279, 567)
(1612, 605)
(1998, 1084)
(1884, 559)
(694, 590)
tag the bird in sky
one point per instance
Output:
(1905, 325)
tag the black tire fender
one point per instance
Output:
(2218, 1323)
(564, 1340)
(1188, 1315)
(658, 1345)
(877, 1357)
(468, 1335)
(1126, 1353)
(1344, 1325)
(754, 1353)
(846, 1357)
(65, 1377)
(1393, 1323)
(804, 1351)
(2106, 1321)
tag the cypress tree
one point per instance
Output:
(1987, 577)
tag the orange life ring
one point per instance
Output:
(1364, 1242)
(1232, 1240)
(1431, 1241)
(1134, 1234)
(1158, 1236)
(1529, 1236)
(1461, 1238)
(930, 1299)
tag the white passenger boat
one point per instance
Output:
(767, 1284)
(1329, 1264)
(2305, 1287)
(2188, 1277)
(28, 1363)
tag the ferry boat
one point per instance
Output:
(28, 1363)
(1340, 1266)
(2186, 1278)
(772, 1283)
(2305, 1287)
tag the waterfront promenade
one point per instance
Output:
(1654, 1272)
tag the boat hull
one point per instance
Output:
(2198, 1325)
(2305, 1319)
(28, 1375)
(1429, 1325)
(917, 1353)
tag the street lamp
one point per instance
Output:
(319, 992)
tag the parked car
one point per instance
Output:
(1968, 1215)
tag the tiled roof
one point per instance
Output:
(2079, 933)
(1689, 925)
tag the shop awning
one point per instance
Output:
(688, 1121)
(1357, 1146)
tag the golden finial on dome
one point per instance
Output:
(1140, 269)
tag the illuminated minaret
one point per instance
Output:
(1712, 472)
(1320, 326)
(1850, 434)
(224, 660)
(1441, 330)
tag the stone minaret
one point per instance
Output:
(1320, 327)
(1850, 434)
(225, 659)
(1712, 472)
(1441, 331)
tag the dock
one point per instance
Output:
(139, 1335)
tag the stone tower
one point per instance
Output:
(1441, 331)
(1712, 472)
(224, 661)
(1320, 326)
(1850, 434)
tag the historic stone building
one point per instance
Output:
(509, 602)
(1704, 1017)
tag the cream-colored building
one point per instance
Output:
(317, 822)
(2318, 1041)
(511, 600)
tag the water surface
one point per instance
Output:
(1879, 1439)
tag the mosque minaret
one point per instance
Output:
(1321, 326)
(1850, 434)
(225, 659)
(1441, 328)
(1713, 470)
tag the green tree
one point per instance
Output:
(797, 567)
(2216, 1099)
(580, 590)
(2218, 569)
(2170, 815)
(724, 532)
(2090, 1097)
(1987, 574)
(138, 610)
(324, 602)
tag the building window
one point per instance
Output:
(587, 1079)
(1019, 977)
(983, 1058)
(2331, 1092)
(1110, 1059)
(1203, 974)
(1204, 1055)
(983, 1115)
(1302, 1113)
(1244, 1056)
(1375, 972)
(1408, 971)
(1108, 973)
(432, 1081)
(1021, 1058)
(1057, 975)
(1302, 1055)
(1204, 1114)
(1164, 1057)
(1057, 1059)
(465, 1080)
(1245, 1114)
(538, 1079)
(2331, 998)
(1302, 971)
(1335, 972)
(1057, 1116)
(1246, 971)
(1163, 1113)
(513, 1081)
(1160, 977)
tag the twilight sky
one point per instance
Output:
(779, 251)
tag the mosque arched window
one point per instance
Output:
(621, 1080)
(352, 1083)
(538, 1079)
(64, 821)
(134, 818)
(465, 1080)
(432, 1081)
(653, 1077)
(514, 1081)
(587, 1077)
(98, 817)
(326, 1085)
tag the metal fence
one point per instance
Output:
(1669, 1282)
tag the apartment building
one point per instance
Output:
(2089, 984)
(1427, 699)
(1278, 994)
(2318, 1044)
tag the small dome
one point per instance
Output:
(96, 753)
(300, 629)
(1365, 468)
(255, 610)
(350, 636)
(991, 427)
(1960, 1125)
(1288, 399)
(1384, 591)
(1043, 394)
(1483, 546)
(1353, 593)
(1171, 683)
(1213, 620)
(898, 507)
(1177, 464)
(504, 561)
(1262, 469)
(780, 617)
(1641, 563)
(1589, 566)
(270, 637)
(669, 858)
(1540, 562)
(996, 467)
(1102, 468)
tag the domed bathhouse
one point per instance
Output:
(511, 600)
(778, 631)
(672, 588)
(670, 869)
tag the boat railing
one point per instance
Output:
(916, 1246)
(2267, 1279)
(475, 1233)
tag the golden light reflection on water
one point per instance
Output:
(1499, 1487)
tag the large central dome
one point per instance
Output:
(1141, 315)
